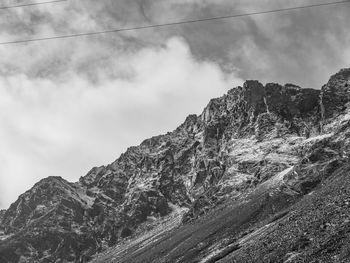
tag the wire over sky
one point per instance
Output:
(171, 23)
(31, 4)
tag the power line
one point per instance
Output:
(171, 23)
(31, 4)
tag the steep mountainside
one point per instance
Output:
(226, 186)
(2, 212)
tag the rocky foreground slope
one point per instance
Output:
(262, 175)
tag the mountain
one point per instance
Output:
(2, 212)
(259, 176)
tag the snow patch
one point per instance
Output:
(3, 236)
(278, 178)
(319, 137)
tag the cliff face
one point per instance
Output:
(240, 143)
(2, 212)
(335, 94)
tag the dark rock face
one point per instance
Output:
(336, 93)
(240, 143)
(2, 212)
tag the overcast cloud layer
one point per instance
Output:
(69, 105)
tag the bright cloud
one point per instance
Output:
(65, 126)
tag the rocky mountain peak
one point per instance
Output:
(341, 77)
(48, 194)
(253, 92)
(239, 142)
(335, 94)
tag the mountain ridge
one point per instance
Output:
(240, 142)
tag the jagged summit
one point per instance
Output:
(343, 74)
(249, 139)
(336, 93)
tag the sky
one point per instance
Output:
(71, 104)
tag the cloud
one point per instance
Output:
(278, 47)
(289, 43)
(65, 126)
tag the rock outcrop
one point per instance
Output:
(240, 143)
(335, 94)
(2, 212)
